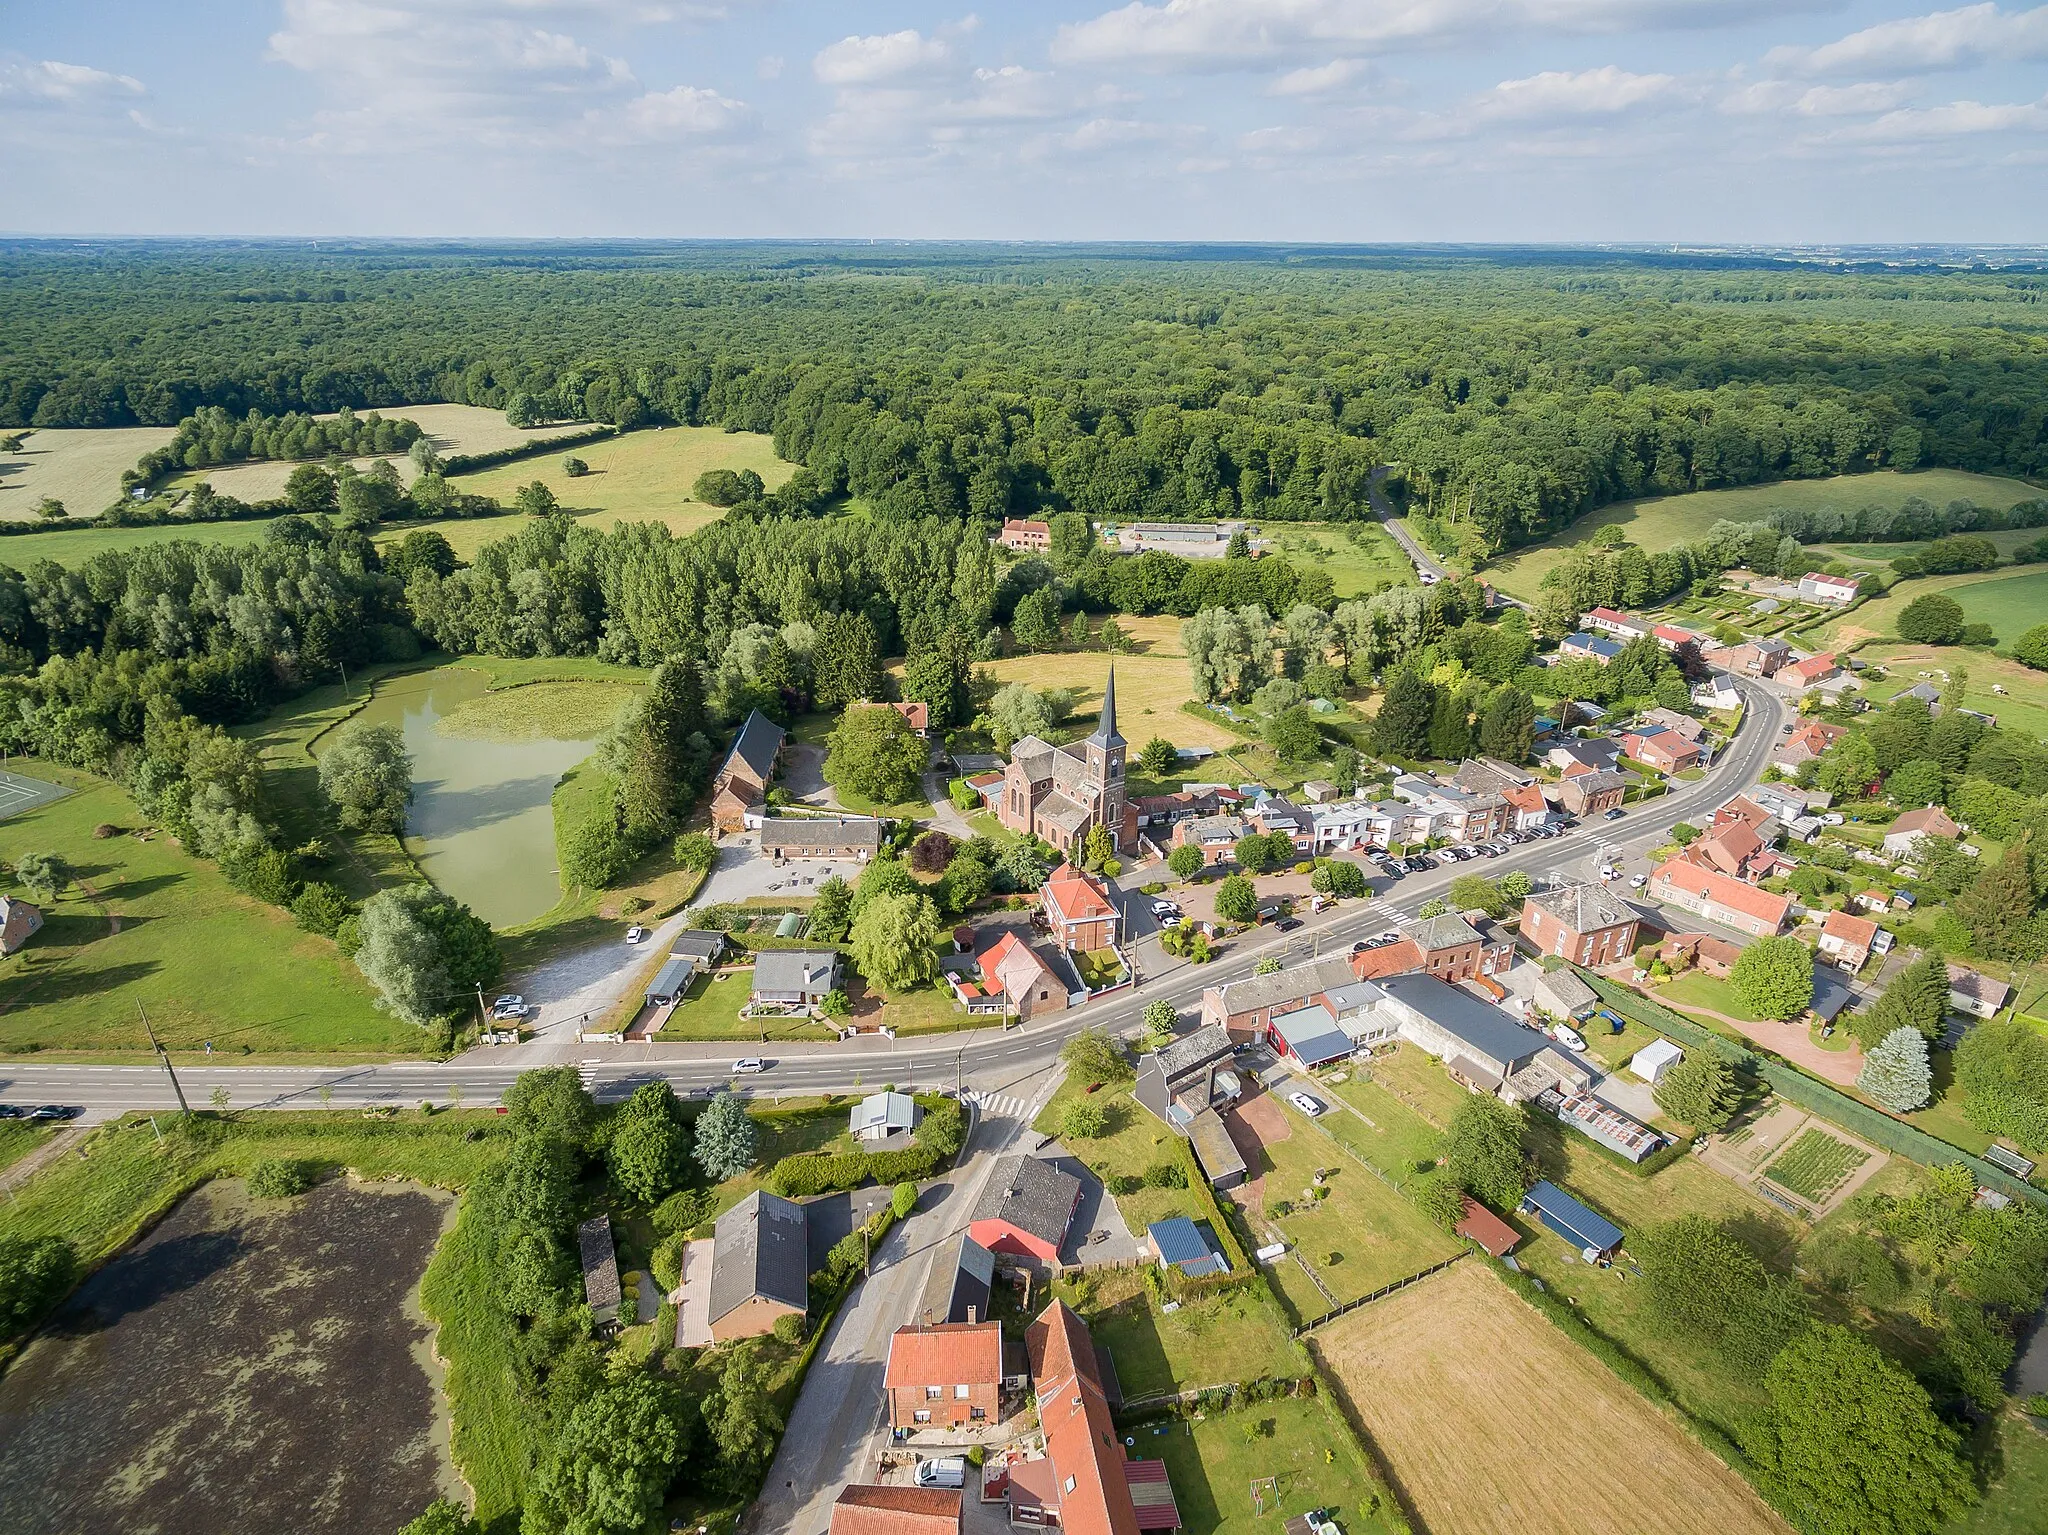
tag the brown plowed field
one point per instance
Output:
(1495, 1423)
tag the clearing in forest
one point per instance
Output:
(1475, 1402)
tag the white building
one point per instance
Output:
(1838, 590)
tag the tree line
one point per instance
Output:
(210, 436)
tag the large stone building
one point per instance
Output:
(1059, 793)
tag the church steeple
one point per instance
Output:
(1105, 734)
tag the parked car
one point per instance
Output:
(948, 1471)
(1166, 922)
(1313, 1107)
(1636, 882)
(748, 1065)
(1391, 935)
(1613, 815)
(1165, 909)
(636, 935)
(1288, 924)
(506, 1008)
(56, 1111)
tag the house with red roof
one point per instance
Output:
(1915, 824)
(1720, 898)
(946, 1375)
(1663, 749)
(1079, 910)
(1837, 591)
(1011, 969)
(1673, 638)
(1737, 851)
(1025, 534)
(1846, 940)
(1614, 622)
(862, 1510)
(1810, 672)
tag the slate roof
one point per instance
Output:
(1032, 1195)
(779, 972)
(760, 738)
(834, 833)
(760, 1248)
(702, 947)
(1583, 908)
(1194, 1050)
(962, 1276)
(1449, 931)
(600, 1264)
(1464, 1017)
(1289, 985)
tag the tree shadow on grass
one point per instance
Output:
(67, 983)
(134, 889)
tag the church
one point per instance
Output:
(1059, 793)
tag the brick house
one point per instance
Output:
(1011, 967)
(1809, 738)
(1583, 923)
(742, 779)
(1450, 946)
(1846, 940)
(1079, 910)
(1589, 791)
(891, 1510)
(1025, 1209)
(1026, 535)
(1665, 750)
(1720, 898)
(946, 1375)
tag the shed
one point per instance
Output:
(791, 924)
(1178, 1243)
(880, 1115)
(1571, 1220)
(1654, 1059)
(1151, 1495)
(672, 981)
(1311, 1036)
(1215, 1152)
(1481, 1225)
(705, 947)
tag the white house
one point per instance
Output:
(1717, 692)
(881, 1115)
(1838, 590)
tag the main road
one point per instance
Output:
(985, 1059)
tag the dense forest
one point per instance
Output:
(1514, 393)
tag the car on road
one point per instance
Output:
(56, 1111)
(748, 1065)
(1613, 815)
(13, 1111)
(1313, 1107)
(1288, 924)
(636, 935)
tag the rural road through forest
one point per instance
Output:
(988, 1059)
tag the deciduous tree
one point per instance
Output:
(892, 941)
(366, 775)
(1237, 900)
(874, 753)
(649, 1151)
(1774, 977)
(1484, 1154)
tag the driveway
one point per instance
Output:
(1097, 1211)
(742, 873)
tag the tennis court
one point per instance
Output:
(18, 793)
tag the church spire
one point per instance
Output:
(1105, 727)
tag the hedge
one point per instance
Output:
(465, 463)
(1810, 1093)
(938, 1141)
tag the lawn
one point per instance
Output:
(1419, 1081)
(1879, 617)
(1152, 683)
(1213, 1462)
(1657, 522)
(1695, 990)
(554, 711)
(1385, 1130)
(2017, 1503)
(18, 1137)
(1815, 1165)
(206, 961)
(1212, 1340)
(1357, 556)
(1133, 1143)
(1469, 1393)
(710, 1010)
(2023, 704)
(78, 545)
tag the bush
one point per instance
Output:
(1166, 1175)
(681, 1213)
(279, 1179)
(789, 1328)
(939, 1135)
(903, 1199)
(665, 1263)
(1084, 1119)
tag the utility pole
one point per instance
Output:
(165, 1056)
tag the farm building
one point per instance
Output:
(1215, 1152)
(1654, 1059)
(1479, 1224)
(1177, 1242)
(1025, 1208)
(784, 838)
(760, 1266)
(1478, 1044)
(881, 1115)
(672, 981)
(862, 1510)
(601, 1291)
(1588, 1232)
(962, 1276)
(742, 778)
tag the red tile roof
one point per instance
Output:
(1814, 668)
(896, 1511)
(1719, 888)
(1394, 959)
(1527, 796)
(1857, 932)
(1080, 1438)
(1077, 895)
(948, 1354)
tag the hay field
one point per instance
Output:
(80, 467)
(2023, 705)
(451, 428)
(1493, 1423)
(2006, 610)
(1657, 522)
(1151, 685)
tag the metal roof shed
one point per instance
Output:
(1178, 1241)
(1312, 1035)
(1571, 1220)
(672, 981)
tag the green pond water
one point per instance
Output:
(481, 823)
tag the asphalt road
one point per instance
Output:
(1382, 508)
(988, 1059)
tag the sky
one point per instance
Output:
(1574, 121)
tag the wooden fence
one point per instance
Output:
(1380, 1294)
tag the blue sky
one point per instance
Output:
(1795, 121)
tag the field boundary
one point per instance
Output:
(1380, 1294)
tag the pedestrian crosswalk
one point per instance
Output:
(999, 1105)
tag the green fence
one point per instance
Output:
(1874, 1125)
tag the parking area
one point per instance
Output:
(1098, 1232)
(742, 874)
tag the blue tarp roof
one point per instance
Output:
(1568, 1218)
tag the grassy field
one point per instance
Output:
(18, 1137)
(1815, 1165)
(644, 476)
(1657, 522)
(1385, 1130)
(2017, 1503)
(1358, 556)
(1213, 1463)
(530, 711)
(208, 962)
(79, 466)
(1211, 1340)
(1470, 1394)
(1134, 1142)
(2023, 704)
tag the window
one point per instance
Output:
(933, 1393)
(978, 1412)
(1070, 1484)
(923, 1417)
(961, 1393)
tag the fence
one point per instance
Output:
(1380, 1294)
(1263, 1389)
(1809, 1093)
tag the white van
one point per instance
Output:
(949, 1471)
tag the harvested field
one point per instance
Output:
(247, 1367)
(1151, 684)
(1472, 1397)
(80, 467)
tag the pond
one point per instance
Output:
(249, 1366)
(482, 822)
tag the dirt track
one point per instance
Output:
(1495, 1423)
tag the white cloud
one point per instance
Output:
(1956, 119)
(1960, 39)
(50, 82)
(684, 112)
(1769, 97)
(1319, 79)
(1557, 95)
(875, 60)
(1258, 34)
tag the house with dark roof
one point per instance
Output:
(671, 981)
(601, 1290)
(760, 1266)
(1591, 647)
(961, 1280)
(794, 979)
(1477, 1042)
(944, 1375)
(1451, 946)
(1025, 1209)
(1246, 1007)
(742, 779)
(706, 948)
(1585, 792)
(827, 836)
(1183, 1074)
(892, 1510)
(1060, 793)
(1582, 923)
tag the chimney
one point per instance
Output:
(973, 1315)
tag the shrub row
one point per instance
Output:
(465, 463)
(938, 1142)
